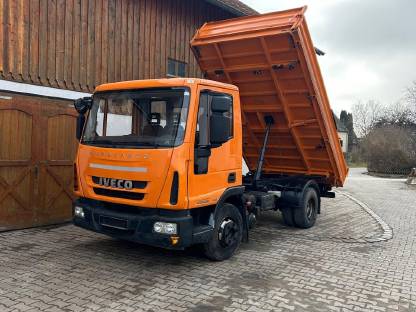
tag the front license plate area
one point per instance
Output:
(114, 223)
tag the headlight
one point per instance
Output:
(158, 227)
(165, 228)
(170, 228)
(79, 212)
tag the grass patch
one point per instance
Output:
(357, 165)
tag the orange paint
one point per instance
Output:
(194, 190)
(272, 60)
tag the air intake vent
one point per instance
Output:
(174, 189)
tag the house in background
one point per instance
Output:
(55, 51)
(342, 134)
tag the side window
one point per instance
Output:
(202, 127)
(204, 114)
(211, 105)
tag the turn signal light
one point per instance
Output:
(174, 240)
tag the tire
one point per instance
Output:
(305, 216)
(288, 217)
(227, 235)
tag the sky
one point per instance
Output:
(370, 46)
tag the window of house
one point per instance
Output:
(176, 68)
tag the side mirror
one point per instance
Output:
(221, 104)
(83, 105)
(80, 125)
(220, 124)
(220, 130)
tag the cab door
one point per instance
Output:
(214, 166)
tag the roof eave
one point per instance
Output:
(230, 9)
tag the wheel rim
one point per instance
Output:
(228, 233)
(310, 209)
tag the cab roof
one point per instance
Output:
(158, 83)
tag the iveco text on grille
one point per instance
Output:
(116, 183)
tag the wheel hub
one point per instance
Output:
(310, 209)
(228, 233)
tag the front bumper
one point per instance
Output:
(138, 224)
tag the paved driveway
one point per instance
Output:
(347, 262)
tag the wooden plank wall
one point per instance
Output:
(78, 44)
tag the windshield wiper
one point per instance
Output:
(123, 143)
(92, 142)
(153, 144)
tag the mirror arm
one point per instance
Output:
(80, 126)
(203, 151)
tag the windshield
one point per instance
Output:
(138, 119)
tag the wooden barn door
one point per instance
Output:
(19, 149)
(56, 167)
(37, 148)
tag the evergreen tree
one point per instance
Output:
(348, 122)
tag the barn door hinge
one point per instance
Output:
(36, 179)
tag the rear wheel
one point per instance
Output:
(227, 235)
(288, 217)
(305, 216)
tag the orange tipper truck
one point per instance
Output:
(160, 161)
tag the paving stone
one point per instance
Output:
(360, 256)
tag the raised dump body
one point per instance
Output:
(272, 60)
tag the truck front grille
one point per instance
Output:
(136, 184)
(119, 194)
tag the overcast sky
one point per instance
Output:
(370, 46)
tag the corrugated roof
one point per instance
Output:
(234, 6)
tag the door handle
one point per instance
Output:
(231, 177)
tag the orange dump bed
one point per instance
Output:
(272, 60)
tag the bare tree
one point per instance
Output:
(411, 94)
(400, 114)
(410, 97)
(366, 115)
(390, 149)
(388, 133)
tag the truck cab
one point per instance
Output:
(155, 159)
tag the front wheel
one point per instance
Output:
(227, 235)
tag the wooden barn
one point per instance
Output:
(53, 51)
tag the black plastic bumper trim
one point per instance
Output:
(139, 224)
